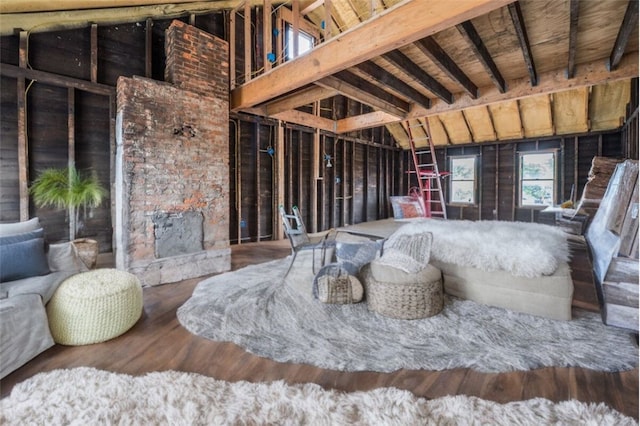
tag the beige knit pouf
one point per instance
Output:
(397, 294)
(94, 306)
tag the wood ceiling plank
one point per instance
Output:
(518, 23)
(430, 48)
(570, 111)
(536, 116)
(388, 79)
(403, 24)
(506, 120)
(400, 60)
(365, 92)
(629, 23)
(468, 31)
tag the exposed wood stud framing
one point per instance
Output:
(266, 34)
(56, 80)
(439, 57)
(71, 137)
(258, 190)
(232, 50)
(629, 23)
(192, 19)
(148, 48)
(23, 150)
(403, 62)
(295, 9)
(327, 20)
(280, 180)
(574, 8)
(518, 22)
(248, 42)
(94, 53)
(468, 31)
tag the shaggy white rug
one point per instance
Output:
(520, 248)
(85, 396)
(253, 308)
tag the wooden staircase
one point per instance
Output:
(425, 167)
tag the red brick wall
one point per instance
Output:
(173, 156)
(197, 61)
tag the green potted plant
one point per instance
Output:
(66, 188)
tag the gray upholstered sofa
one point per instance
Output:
(29, 276)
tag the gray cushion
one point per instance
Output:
(23, 260)
(19, 227)
(18, 238)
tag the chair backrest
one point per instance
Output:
(294, 227)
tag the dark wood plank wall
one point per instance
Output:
(631, 126)
(497, 180)
(354, 189)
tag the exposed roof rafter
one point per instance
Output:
(469, 32)
(629, 22)
(388, 79)
(518, 22)
(403, 62)
(430, 48)
(354, 87)
(574, 8)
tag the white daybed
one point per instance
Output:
(529, 274)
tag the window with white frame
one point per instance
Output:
(305, 42)
(537, 178)
(462, 181)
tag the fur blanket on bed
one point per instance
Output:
(522, 249)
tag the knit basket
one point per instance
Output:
(334, 284)
(396, 294)
(94, 306)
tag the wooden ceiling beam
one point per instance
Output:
(388, 79)
(309, 7)
(518, 23)
(365, 92)
(364, 121)
(306, 119)
(574, 8)
(398, 26)
(430, 48)
(407, 65)
(302, 97)
(468, 31)
(629, 23)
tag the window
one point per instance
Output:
(462, 181)
(305, 42)
(537, 179)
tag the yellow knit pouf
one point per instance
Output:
(94, 306)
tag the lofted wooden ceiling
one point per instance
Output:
(474, 70)
(479, 71)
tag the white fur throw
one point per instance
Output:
(409, 253)
(520, 248)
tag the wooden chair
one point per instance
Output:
(300, 240)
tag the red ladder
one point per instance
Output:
(427, 173)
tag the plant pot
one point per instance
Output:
(87, 251)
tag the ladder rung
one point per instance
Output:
(423, 152)
(425, 138)
(426, 164)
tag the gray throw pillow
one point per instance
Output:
(18, 238)
(23, 260)
(19, 227)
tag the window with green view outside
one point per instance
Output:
(462, 183)
(537, 179)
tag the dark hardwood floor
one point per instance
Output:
(158, 342)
